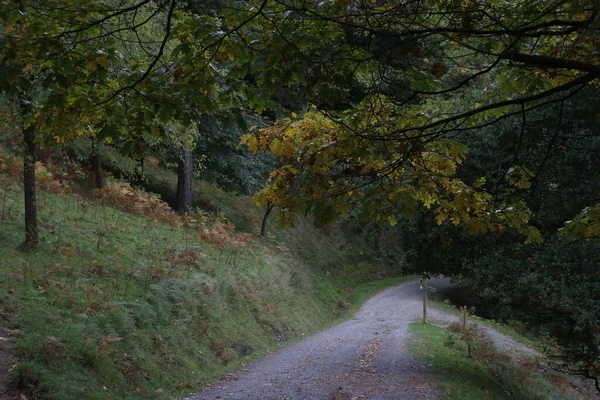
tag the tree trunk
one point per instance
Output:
(31, 229)
(137, 179)
(97, 166)
(185, 173)
(263, 226)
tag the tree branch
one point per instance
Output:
(154, 61)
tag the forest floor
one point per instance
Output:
(377, 355)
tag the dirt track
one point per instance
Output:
(366, 356)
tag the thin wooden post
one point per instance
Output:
(423, 284)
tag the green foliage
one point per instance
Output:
(386, 77)
(393, 147)
(116, 72)
(223, 161)
(329, 171)
(552, 287)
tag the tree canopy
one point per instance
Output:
(460, 114)
(421, 72)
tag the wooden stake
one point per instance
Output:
(423, 284)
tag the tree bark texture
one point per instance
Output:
(97, 165)
(185, 173)
(31, 229)
(137, 178)
(263, 226)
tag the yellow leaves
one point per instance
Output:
(276, 148)
(437, 164)
(323, 162)
(311, 139)
(251, 142)
(428, 200)
(291, 169)
(455, 219)
(282, 149)
(533, 235)
(523, 183)
(103, 62)
(91, 67)
(289, 133)
(458, 151)
(479, 183)
(520, 177)
(100, 61)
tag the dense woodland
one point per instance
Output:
(465, 133)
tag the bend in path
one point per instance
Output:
(364, 356)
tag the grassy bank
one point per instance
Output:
(520, 336)
(486, 373)
(124, 299)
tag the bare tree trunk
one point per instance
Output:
(185, 173)
(263, 226)
(96, 165)
(137, 179)
(31, 229)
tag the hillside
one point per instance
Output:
(124, 299)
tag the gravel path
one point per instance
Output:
(366, 356)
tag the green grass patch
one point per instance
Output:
(493, 376)
(520, 337)
(115, 305)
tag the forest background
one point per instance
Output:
(462, 132)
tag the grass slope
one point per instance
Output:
(117, 305)
(520, 336)
(488, 374)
